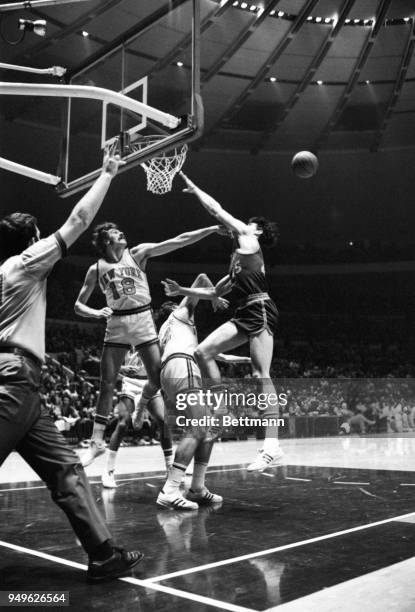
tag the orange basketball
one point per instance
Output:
(304, 164)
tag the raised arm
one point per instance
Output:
(88, 287)
(84, 212)
(214, 208)
(154, 249)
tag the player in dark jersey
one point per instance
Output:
(255, 317)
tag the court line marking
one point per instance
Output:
(349, 483)
(121, 479)
(300, 479)
(269, 551)
(23, 488)
(222, 605)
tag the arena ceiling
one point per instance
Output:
(276, 76)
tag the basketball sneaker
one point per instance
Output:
(204, 497)
(266, 460)
(175, 501)
(108, 480)
(95, 450)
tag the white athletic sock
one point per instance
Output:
(168, 457)
(198, 479)
(98, 432)
(111, 459)
(174, 478)
(271, 446)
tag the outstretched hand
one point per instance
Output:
(112, 160)
(190, 186)
(220, 304)
(171, 288)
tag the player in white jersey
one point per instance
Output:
(180, 374)
(134, 378)
(25, 263)
(120, 274)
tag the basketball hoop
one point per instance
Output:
(161, 169)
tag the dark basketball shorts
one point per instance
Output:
(253, 318)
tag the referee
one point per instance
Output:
(25, 263)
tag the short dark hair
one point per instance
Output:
(163, 313)
(100, 236)
(16, 232)
(270, 233)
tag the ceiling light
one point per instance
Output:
(179, 64)
(280, 13)
(356, 20)
(368, 82)
(252, 7)
(319, 82)
(310, 18)
(272, 79)
(272, 12)
(347, 20)
(244, 5)
(85, 34)
(236, 3)
(318, 19)
(327, 20)
(406, 18)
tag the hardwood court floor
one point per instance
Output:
(334, 529)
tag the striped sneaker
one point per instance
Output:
(266, 460)
(204, 497)
(175, 501)
(108, 480)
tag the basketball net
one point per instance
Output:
(161, 169)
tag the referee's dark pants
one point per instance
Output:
(28, 429)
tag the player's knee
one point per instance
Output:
(260, 373)
(201, 354)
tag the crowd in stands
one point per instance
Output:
(367, 387)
